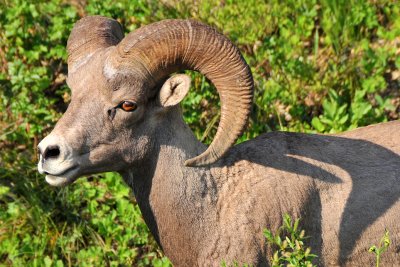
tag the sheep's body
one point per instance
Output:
(345, 188)
(123, 118)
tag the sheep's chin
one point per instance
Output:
(59, 181)
(64, 179)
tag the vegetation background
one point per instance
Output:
(319, 66)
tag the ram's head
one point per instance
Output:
(120, 86)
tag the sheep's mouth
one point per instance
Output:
(64, 178)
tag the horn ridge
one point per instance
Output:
(172, 45)
(90, 34)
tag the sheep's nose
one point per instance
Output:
(49, 148)
(52, 151)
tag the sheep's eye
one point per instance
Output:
(128, 105)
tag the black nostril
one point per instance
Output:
(51, 152)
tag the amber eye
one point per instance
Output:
(128, 105)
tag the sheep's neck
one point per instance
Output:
(176, 201)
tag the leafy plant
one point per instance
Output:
(235, 264)
(288, 243)
(335, 114)
(381, 248)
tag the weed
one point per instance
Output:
(288, 243)
(381, 248)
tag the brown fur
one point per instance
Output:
(345, 188)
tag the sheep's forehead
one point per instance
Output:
(90, 81)
(88, 76)
(99, 78)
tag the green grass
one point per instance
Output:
(319, 66)
(289, 245)
(381, 248)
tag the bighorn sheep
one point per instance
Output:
(205, 206)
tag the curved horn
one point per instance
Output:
(161, 48)
(88, 35)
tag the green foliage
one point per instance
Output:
(88, 224)
(289, 245)
(338, 116)
(223, 264)
(32, 51)
(318, 66)
(381, 248)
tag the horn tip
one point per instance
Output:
(199, 161)
(202, 160)
(194, 163)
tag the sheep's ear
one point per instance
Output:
(174, 90)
